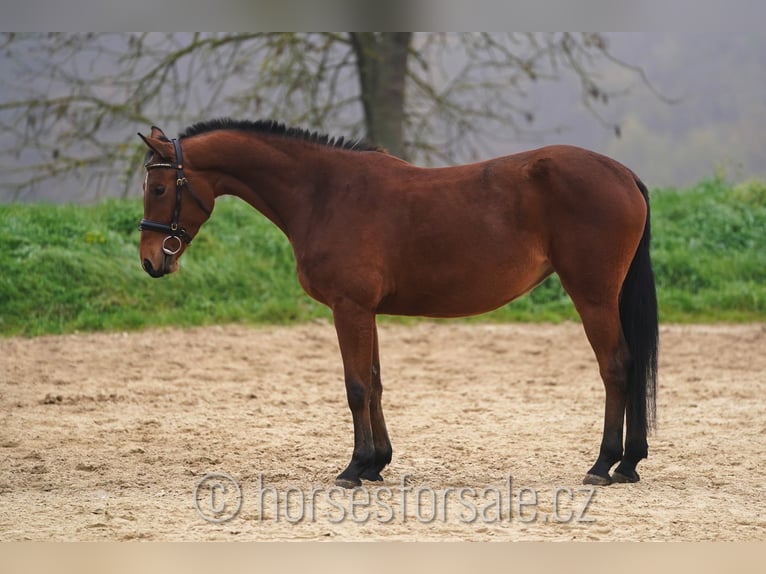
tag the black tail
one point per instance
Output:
(638, 314)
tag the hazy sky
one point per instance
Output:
(719, 122)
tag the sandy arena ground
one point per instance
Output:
(109, 437)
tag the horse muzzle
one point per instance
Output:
(149, 268)
(168, 265)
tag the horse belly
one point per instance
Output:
(460, 291)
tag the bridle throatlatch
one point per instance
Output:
(174, 232)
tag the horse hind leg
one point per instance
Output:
(602, 327)
(636, 447)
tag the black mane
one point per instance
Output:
(272, 127)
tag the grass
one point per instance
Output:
(709, 252)
(72, 268)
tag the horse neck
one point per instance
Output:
(274, 175)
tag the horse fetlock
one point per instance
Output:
(635, 451)
(382, 459)
(384, 456)
(361, 462)
(364, 459)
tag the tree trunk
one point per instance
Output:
(381, 60)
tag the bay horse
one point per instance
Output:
(373, 234)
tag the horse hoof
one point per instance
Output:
(347, 483)
(623, 478)
(597, 480)
(372, 477)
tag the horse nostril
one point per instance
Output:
(149, 268)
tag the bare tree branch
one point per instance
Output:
(72, 102)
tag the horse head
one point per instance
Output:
(169, 222)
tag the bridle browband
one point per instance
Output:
(173, 230)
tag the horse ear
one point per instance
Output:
(158, 134)
(150, 144)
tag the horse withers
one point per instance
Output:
(373, 234)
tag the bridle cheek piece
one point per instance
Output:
(175, 233)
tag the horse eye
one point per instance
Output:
(158, 190)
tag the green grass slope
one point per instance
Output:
(65, 268)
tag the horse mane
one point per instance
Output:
(271, 127)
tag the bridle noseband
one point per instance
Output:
(173, 230)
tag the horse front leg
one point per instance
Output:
(382, 443)
(355, 327)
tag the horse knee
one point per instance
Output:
(357, 393)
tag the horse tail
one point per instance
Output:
(638, 315)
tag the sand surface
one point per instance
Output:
(111, 436)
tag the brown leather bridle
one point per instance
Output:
(173, 230)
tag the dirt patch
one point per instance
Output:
(106, 436)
